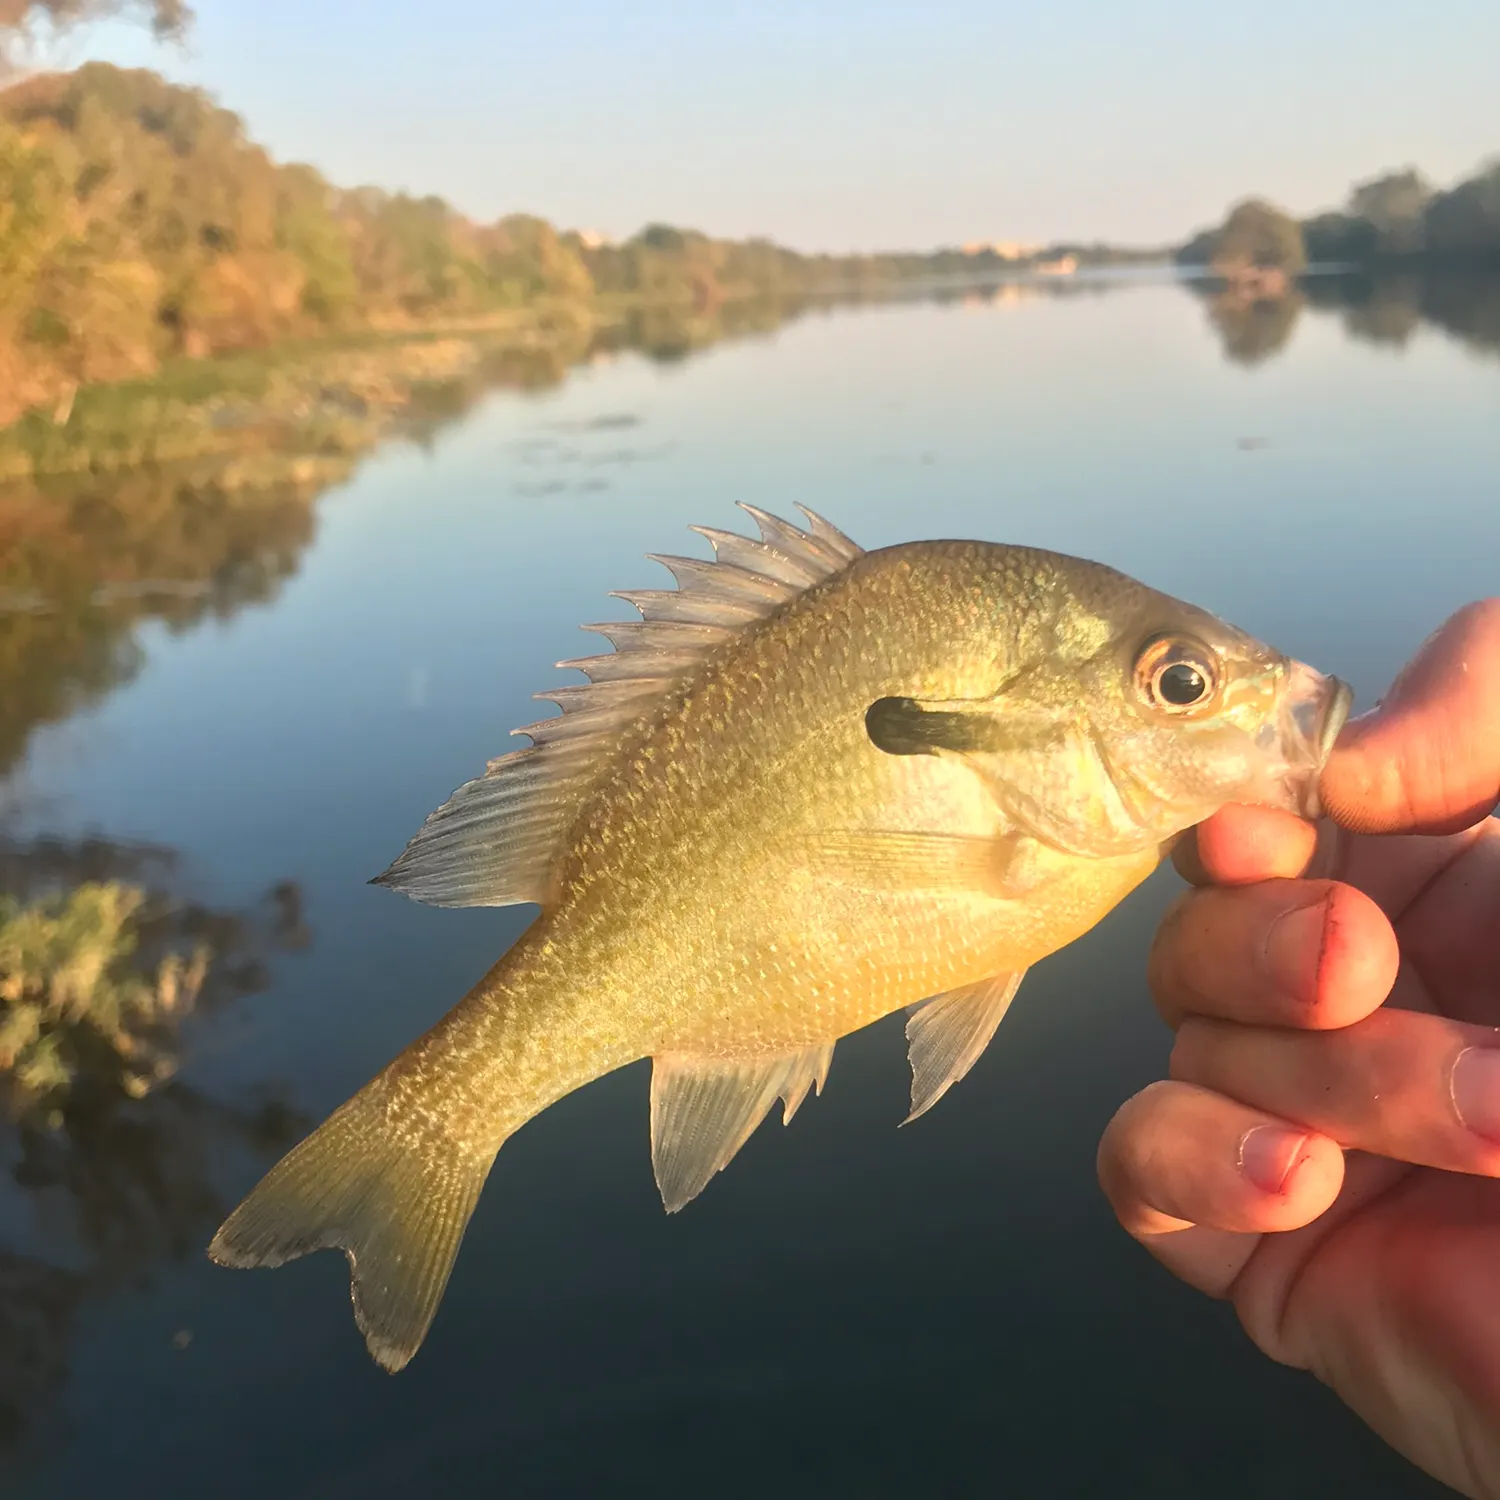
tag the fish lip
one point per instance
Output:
(1335, 716)
(1315, 710)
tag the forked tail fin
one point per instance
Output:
(386, 1182)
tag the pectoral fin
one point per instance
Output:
(1015, 748)
(703, 1109)
(946, 1034)
(903, 860)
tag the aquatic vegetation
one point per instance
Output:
(71, 993)
(111, 1158)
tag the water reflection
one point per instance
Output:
(995, 418)
(1385, 309)
(38, 1304)
(1253, 329)
(1389, 309)
(110, 1172)
(671, 331)
(84, 561)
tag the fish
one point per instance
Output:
(810, 787)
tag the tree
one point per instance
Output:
(1259, 240)
(1338, 238)
(1394, 205)
(307, 228)
(21, 19)
(1199, 250)
(167, 18)
(1464, 223)
(524, 257)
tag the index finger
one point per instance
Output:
(1427, 760)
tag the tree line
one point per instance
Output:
(1396, 220)
(139, 222)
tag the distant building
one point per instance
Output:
(593, 239)
(1005, 249)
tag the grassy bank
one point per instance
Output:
(268, 408)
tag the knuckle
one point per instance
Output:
(1190, 1049)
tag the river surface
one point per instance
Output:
(850, 1309)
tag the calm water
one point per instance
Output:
(848, 1310)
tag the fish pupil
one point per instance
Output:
(1181, 685)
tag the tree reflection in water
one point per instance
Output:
(1385, 308)
(104, 1186)
(85, 560)
(1253, 329)
(101, 1188)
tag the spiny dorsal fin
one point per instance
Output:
(497, 839)
(946, 1034)
(703, 1109)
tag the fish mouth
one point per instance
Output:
(1314, 710)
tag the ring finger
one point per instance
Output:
(1412, 1087)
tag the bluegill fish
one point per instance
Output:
(811, 786)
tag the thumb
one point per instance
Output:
(1427, 760)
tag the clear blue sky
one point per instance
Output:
(832, 124)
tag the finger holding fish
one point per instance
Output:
(1242, 845)
(1307, 954)
(1197, 1178)
(1416, 1088)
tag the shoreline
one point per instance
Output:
(305, 403)
(312, 400)
(298, 409)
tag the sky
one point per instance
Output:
(833, 125)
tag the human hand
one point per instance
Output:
(1326, 1152)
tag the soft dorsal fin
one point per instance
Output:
(497, 839)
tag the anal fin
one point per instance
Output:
(946, 1034)
(810, 1072)
(703, 1109)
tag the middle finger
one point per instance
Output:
(1312, 954)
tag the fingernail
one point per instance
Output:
(1475, 1086)
(1267, 1155)
(1294, 949)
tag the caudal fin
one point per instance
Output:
(393, 1189)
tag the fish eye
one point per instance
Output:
(1181, 685)
(1176, 675)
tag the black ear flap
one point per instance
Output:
(902, 726)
